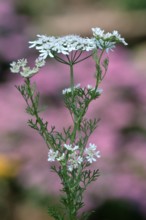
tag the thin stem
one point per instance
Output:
(61, 60)
(98, 76)
(73, 101)
(101, 55)
(104, 74)
(69, 61)
(83, 58)
(76, 57)
(71, 78)
(73, 55)
(42, 130)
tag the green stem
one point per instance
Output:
(83, 58)
(98, 73)
(42, 129)
(71, 78)
(73, 101)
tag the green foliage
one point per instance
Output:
(54, 212)
(74, 181)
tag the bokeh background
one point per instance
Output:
(27, 186)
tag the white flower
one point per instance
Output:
(107, 45)
(91, 154)
(61, 157)
(15, 66)
(118, 37)
(39, 62)
(70, 148)
(99, 91)
(97, 32)
(68, 90)
(107, 35)
(74, 161)
(22, 62)
(52, 155)
(21, 67)
(108, 40)
(28, 72)
(49, 46)
(91, 88)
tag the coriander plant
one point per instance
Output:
(70, 149)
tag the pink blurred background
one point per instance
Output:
(25, 177)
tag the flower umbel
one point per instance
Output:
(108, 40)
(49, 46)
(26, 71)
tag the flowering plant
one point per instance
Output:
(70, 148)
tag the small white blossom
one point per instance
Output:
(91, 154)
(107, 35)
(74, 161)
(97, 32)
(28, 72)
(108, 40)
(70, 147)
(118, 37)
(22, 62)
(40, 62)
(61, 157)
(99, 91)
(15, 66)
(68, 90)
(91, 88)
(107, 45)
(52, 155)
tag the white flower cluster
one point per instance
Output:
(50, 45)
(91, 153)
(52, 155)
(68, 90)
(91, 88)
(74, 159)
(70, 147)
(26, 71)
(108, 40)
